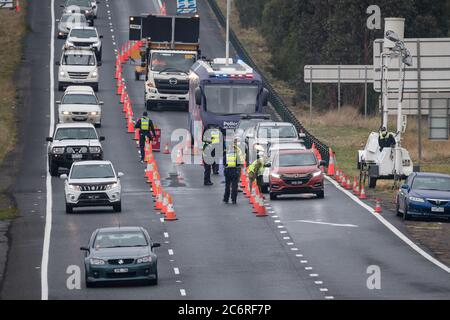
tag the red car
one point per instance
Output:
(296, 172)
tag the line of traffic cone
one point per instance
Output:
(378, 206)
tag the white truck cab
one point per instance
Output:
(78, 66)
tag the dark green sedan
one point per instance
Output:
(120, 254)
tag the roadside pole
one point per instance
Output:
(365, 93)
(310, 96)
(227, 44)
(339, 88)
(419, 102)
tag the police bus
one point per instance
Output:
(220, 93)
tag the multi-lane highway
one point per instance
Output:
(304, 249)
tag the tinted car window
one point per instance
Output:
(296, 160)
(277, 132)
(81, 33)
(92, 171)
(120, 239)
(431, 183)
(79, 60)
(75, 134)
(80, 3)
(79, 99)
(73, 18)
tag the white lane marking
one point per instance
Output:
(286, 238)
(323, 289)
(393, 229)
(166, 234)
(280, 227)
(170, 252)
(290, 243)
(328, 223)
(183, 292)
(48, 181)
(283, 232)
(176, 270)
(308, 268)
(313, 275)
(318, 282)
(303, 261)
(299, 255)
(277, 221)
(294, 249)
(329, 297)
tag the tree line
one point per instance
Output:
(303, 32)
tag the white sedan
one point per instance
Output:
(80, 104)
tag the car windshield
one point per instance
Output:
(79, 99)
(78, 59)
(283, 132)
(91, 171)
(71, 18)
(431, 183)
(83, 33)
(75, 134)
(231, 99)
(246, 124)
(296, 160)
(120, 239)
(79, 3)
(172, 62)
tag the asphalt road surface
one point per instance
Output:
(305, 249)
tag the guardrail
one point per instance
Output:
(275, 100)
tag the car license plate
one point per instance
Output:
(437, 209)
(121, 270)
(297, 183)
(93, 197)
(173, 98)
(77, 156)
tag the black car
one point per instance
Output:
(120, 254)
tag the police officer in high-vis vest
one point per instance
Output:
(211, 143)
(144, 125)
(233, 159)
(215, 141)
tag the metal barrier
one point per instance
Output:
(275, 100)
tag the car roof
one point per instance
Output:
(275, 124)
(83, 28)
(75, 125)
(130, 228)
(91, 162)
(84, 89)
(278, 146)
(297, 151)
(432, 175)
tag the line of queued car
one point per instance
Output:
(290, 168)
(117, 253)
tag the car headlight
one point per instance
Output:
(94, 113)
(275, 175)
(97, 262)
(66, 113)
(415, 199)
(144, 259)
(74, 187)
(317, 173)
(95, 149)
(150, 85)
(94, 74)
(58, 150)
(111, 186)
(62, 73)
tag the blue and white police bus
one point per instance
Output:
(220, 93)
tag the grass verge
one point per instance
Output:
(12, 32)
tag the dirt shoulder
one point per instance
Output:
(347, 132)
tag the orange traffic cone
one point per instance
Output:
(130, 125)
(331, 164)
(256, 208)
(378, 206)
(123, 93)
(165, 203)
(136, 134)
(170, 215)
(159, 199)
(362, 195)
(349, 184)
(166, 149)
(120, 84)
(343, 181)
(262, 208)
(356, 187)
(179, 159)
(18, 6)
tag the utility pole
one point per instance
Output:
(227, 44)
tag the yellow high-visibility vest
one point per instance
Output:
(231, 160)
(145, 124)
(215, 136)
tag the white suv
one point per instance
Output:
(78, 67)
(85, 37)
(92, 184)
(80, 104)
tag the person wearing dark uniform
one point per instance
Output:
(233, 159)
(211, 143)
(144, 125)
(386, 139)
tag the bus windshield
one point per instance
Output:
(231, 99)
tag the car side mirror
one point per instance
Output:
(198, 96)
(101, 103)
(57, 63)
(156, 245)
(99, 63)
(120, 174)
(49, 139)
(265, 97)
(58, 102)
(404, 187)
(84, 249)
(57, 20)
(322, 163)
(101, 37)
(101, 139)
(63, 177)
